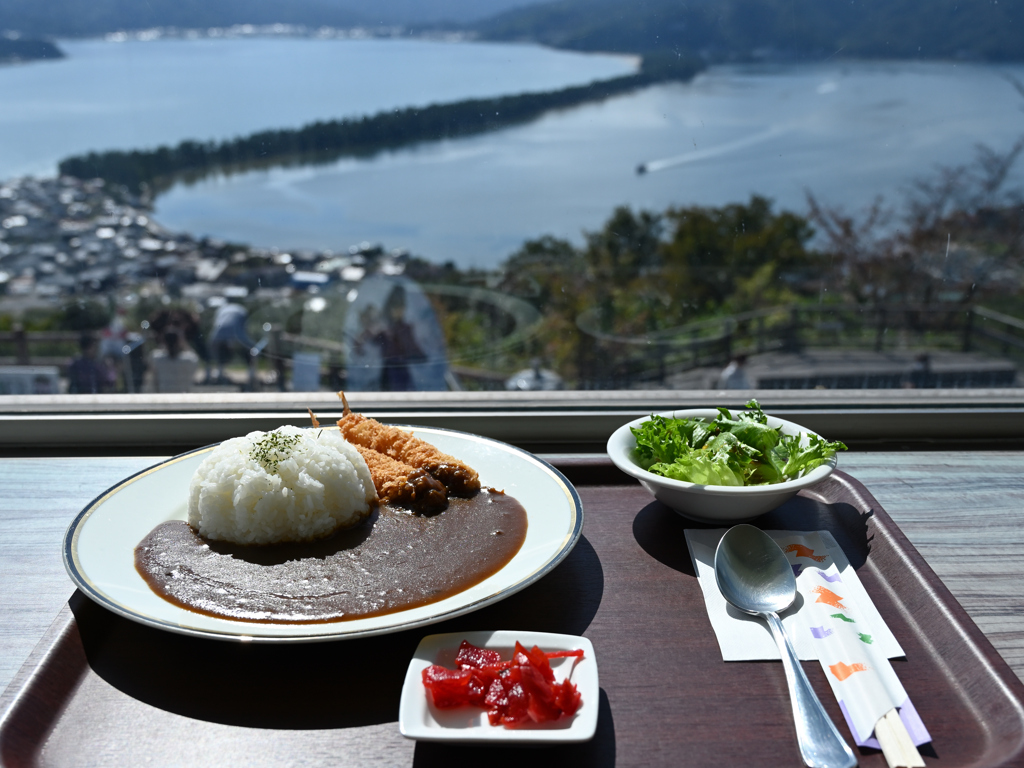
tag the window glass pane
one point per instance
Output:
(509, 195)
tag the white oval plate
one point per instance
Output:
(99, 546)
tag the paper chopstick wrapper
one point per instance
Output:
(832, 613)
(862, 679)
(742, 637)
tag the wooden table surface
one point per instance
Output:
(963, 511)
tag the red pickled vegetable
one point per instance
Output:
(471, 656)
(567, 698)
(514, 693)
(448, 687)
(536, 659)
(578, 653)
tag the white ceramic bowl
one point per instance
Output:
(712, 503)
(419, 720)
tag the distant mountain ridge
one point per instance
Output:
(18, 50)
(718, 30)
(432, 12)
(722, 30)
(74, 18)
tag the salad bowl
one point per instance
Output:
(723, 504)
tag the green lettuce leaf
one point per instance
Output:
(730, 450)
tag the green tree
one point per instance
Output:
(84, 315)
(734, 258)
(644, 272)
(551, 274)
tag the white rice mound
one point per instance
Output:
(313, 483)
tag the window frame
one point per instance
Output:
(545, 422)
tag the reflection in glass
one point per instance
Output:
(700, 199)
(393, 337)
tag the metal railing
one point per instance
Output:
(612, 361)
(619, 361)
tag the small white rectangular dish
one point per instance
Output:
(419, 719)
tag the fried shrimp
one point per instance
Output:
(460, 479)
(400, 484)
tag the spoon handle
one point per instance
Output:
(820, 743)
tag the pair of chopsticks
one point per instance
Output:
(897, 747)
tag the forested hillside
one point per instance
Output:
(720, 30)
(434, 12)
(15, 50)
(70, 18)
(776, 29)
(97, 17)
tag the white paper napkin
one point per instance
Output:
(833, 621)
(747, 638)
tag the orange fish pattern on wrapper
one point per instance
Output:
(803, 551)
(843, 670)
(828, 597)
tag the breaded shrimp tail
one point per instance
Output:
(460, 479)
(398, 483)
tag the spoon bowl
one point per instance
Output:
(755, 576)
(753, 573)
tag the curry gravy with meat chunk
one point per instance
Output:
(392, 562)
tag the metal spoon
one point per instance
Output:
(754, 575)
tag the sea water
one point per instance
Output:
(845, 132)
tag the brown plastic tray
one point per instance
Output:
(102, 690)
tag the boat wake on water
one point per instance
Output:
(704, 154)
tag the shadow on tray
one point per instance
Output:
(660, 531)
(338, 684)
(599, 752)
